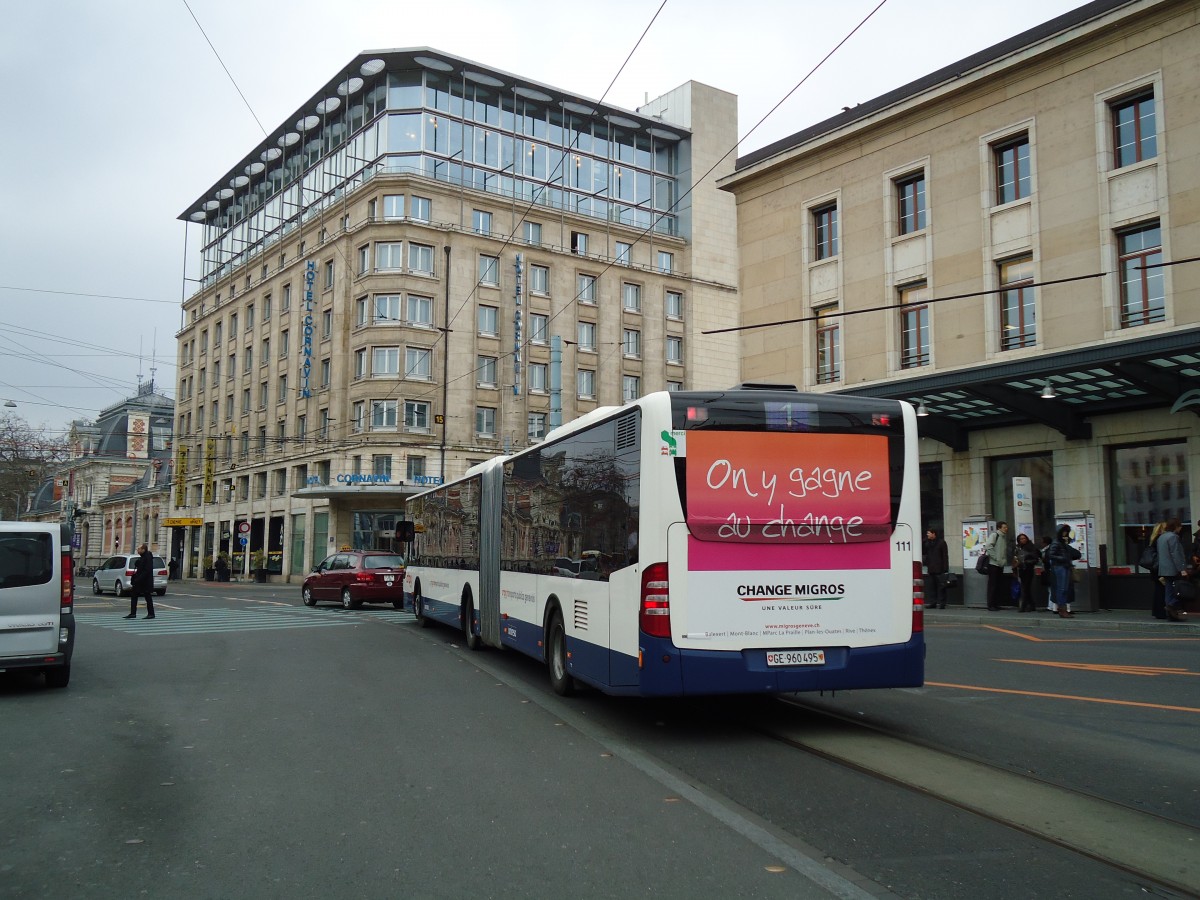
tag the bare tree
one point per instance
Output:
(28, 456)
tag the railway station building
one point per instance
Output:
(1012, 244)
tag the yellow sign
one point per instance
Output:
(210, 452)
(181, 478)
(181, 522)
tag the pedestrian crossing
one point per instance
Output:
(217, 621)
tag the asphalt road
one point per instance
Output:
(250, 747)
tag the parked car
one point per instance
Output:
(355, 577)
(37, 605)
(116, 574)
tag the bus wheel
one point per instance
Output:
(468, 614)
(556, 657)
(419, 608)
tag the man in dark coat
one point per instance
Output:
(142, 584)
(936, 557)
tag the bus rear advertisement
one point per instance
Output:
(741, 541)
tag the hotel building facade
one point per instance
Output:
(1009, 243)
(430, 263)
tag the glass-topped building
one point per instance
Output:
(425, 113)
(429, 263)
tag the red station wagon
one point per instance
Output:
(355, 577)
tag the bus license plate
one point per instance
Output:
(796, 658)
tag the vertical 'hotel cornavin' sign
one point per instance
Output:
(310, 275)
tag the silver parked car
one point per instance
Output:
(116, 574)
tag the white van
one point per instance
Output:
(37, 618)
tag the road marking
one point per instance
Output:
(1104, 700)
(210, 621)
(1100, 667)
(1087, 640)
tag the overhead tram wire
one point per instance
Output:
(226, 68)
(571, 304)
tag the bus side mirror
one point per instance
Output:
(404, 532)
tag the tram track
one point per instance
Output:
(1142, 844)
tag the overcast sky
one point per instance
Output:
(119, 114)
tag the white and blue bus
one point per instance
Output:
(754, 540)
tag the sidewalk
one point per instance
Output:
(1125, 620)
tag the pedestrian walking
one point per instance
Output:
(1062, 556)
(1172, 567)
(142, 583)
(1025, 563)
(1157, 604)
(936, 557)
(997, 550)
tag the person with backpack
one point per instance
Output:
(1172, 566)
(997, 551)
(1061, 556)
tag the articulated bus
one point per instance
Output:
(754, 540)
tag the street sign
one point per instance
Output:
(243, 540)
(244, 527)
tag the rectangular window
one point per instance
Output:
(233, 325)
(489, 270)
(217, 335)
(283, 343)
(387, 308)
(674, 386)
(623, 252)
(1018, 327)
(829, 346)
(360, 363)
(283, 388)
(1012, 170)
(631, 341)
(481, 221)
(489, 321)
(1134, 137)
(301, 428)
(420, 258)
(585, 384)
(674, 305)
(631, 387)
(587, 336)
(329, 275)
(422, 209)
(418, 363)
(415, 467)
(383, 413)
(381, 464)
(385, 361)
(266, 308)
(631, 297)
(229, 404)
(364, 259)
(539, 280)
(416, 415)
(537, 426)
(419, 311)
(247, 359)
(393, 206)
(825, 231)
(579, 243)
(910, 203)
(264, 354)
(533, 233)
(914, 326)
(389, 256)
(323, 434)
(285, 298)
(539, 328)
(485, 371)
(250, 317)
(666, 261)
(485, 421)
(1142, 290)
(585, 288)
(358, 416)
(537, 378)
(264, 393)
(675, 350)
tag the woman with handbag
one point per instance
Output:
(1025, 564)
(936, 557)
(1172, 566)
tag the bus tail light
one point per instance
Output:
(918, 620)
(654, 618)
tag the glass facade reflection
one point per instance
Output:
(453, 129)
